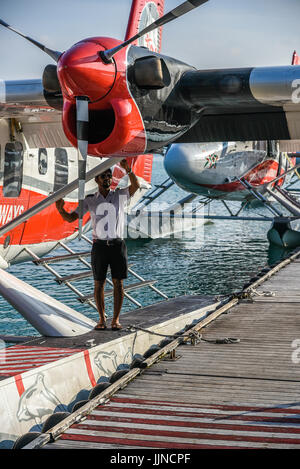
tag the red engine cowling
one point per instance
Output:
(115, 123)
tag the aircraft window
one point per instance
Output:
(13, 169)
(43, 161)
(61, 168)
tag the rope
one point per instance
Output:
(131, 328)
(263, 293)
(226, 340)
(193, 335)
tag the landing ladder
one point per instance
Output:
(155, 192)
(81, 256)
(286, 199)
(260, 197)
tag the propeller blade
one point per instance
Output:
(82, 125)
(181, 10)
(54, 54)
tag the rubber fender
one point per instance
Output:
(98, 389)
(25, 439)
(151, 351)
(138, 363)
(54, 419)
(138, 355)
(123, 366)
(165, 342)
(117, 375)
(78, 404)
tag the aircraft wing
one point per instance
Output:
(289, 146)
(35, 111)
(243, 104)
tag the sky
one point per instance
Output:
(219, 34)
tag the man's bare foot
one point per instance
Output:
(116, 326)
(101, 326)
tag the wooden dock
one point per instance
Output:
(218, 393)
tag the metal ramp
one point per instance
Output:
(81, 256)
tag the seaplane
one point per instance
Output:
(102, 100)
(106, 99)
(215, 170)
(245, 172)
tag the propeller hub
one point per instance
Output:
(82, 72)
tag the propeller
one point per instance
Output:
(181, 10)
(51, 84)
(82, 111)
(54, 54)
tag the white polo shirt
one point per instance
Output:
(107, 213)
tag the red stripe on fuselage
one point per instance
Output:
(263, 173)
(46, 226)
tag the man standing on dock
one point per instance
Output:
(106, 208)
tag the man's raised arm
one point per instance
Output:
(69, 217)
(134, 183)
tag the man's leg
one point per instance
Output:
(99, 299)
(118, 301)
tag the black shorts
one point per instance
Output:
(113, 255)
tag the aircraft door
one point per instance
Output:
(50, 172)
(14, 198)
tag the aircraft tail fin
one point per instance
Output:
(142, 167)
(295, 59)
(142, 14)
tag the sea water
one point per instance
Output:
(219, 263)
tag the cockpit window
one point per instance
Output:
(13, 169)
(61, 168)
(43, 161)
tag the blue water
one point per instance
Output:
(231, 253)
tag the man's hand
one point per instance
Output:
(69, 217)
(59, 204)
(134, 183)
(125, 165)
